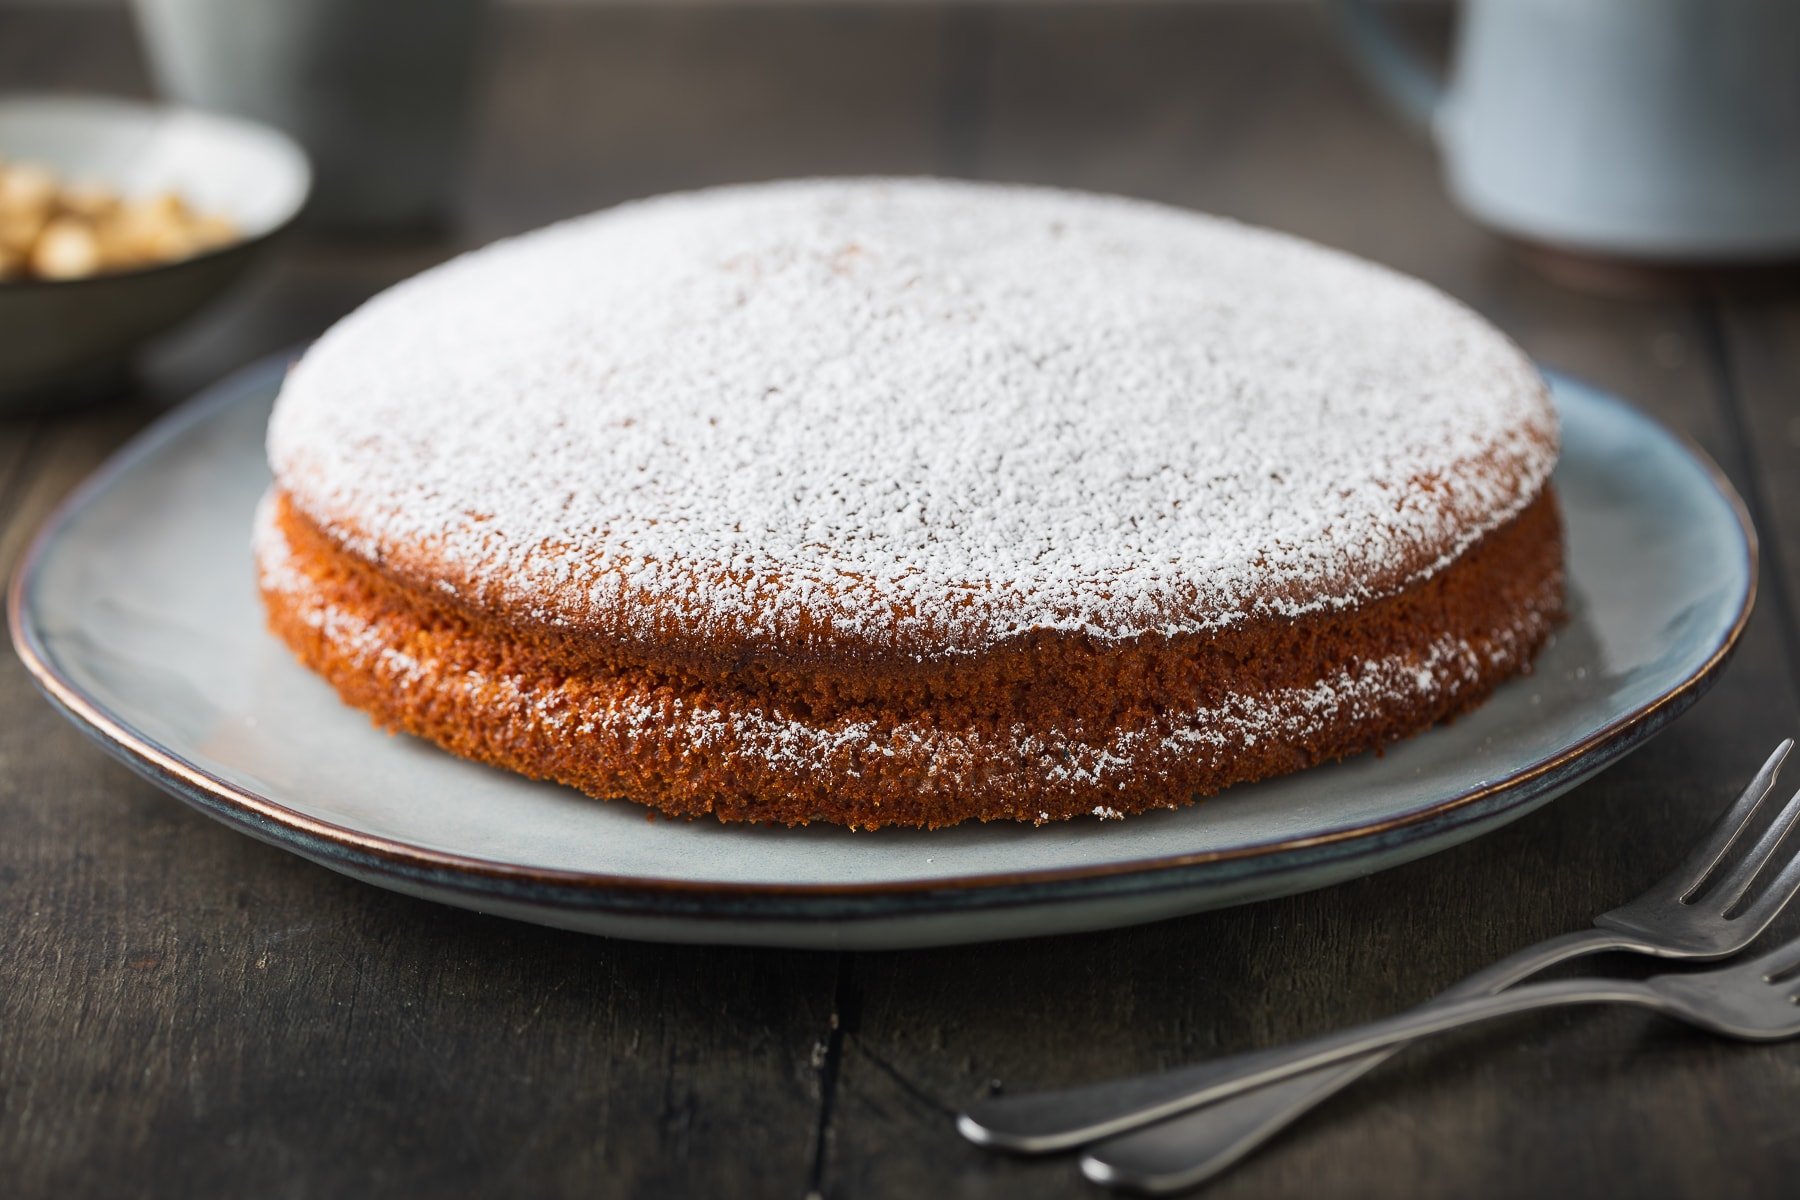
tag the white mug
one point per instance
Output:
(1664, 131)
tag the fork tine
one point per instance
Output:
(1762, 911)
(1738, 883)
(1778, 961)
(1699, 865)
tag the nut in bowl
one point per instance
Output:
(118, 220)
(52, 229)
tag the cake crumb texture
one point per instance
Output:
(1077, 731)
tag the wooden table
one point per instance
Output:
(186, 1012)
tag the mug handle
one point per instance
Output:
(1404, 80)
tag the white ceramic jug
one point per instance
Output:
(1662, 131)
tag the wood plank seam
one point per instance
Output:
(843, 1012)
(1773, 579)
(968, 59)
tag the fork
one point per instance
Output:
(1694, 913)
(1758, 1000)
(1671, 920)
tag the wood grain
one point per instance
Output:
(185, 1012)
(1251, 113)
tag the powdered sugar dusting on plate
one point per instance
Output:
(909, 415)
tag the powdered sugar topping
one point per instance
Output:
(909, 416)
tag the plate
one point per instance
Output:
(136, 612)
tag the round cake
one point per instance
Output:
(909, 502)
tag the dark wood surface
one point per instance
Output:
(186, 1012)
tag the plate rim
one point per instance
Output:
(357, 852)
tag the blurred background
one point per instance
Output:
(1564, 143)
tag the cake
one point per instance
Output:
(910, 502)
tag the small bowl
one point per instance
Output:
(66, 341)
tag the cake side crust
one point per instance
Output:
(1053, 727)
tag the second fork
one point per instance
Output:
(1700, 911)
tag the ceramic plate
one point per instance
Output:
(137, 614)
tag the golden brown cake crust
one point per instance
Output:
(1047, 727)
(911, 502)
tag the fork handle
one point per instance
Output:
(1041, 1122)
(1195, 1146)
